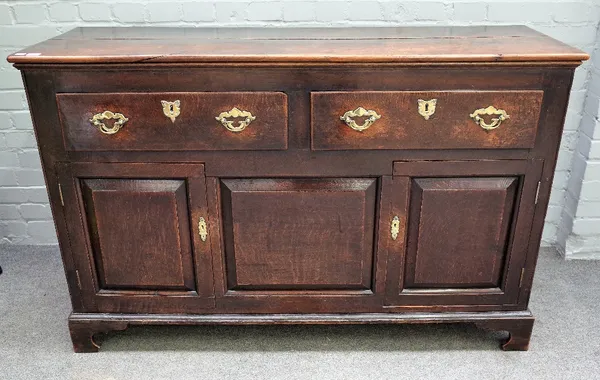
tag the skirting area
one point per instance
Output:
(35, 343)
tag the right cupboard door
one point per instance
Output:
(459, 232)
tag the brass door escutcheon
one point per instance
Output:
(426, 107)
(171, 109)
(202, 229)
(98, 119)
(501, 115)
(235, 112)
(395, 227)
(371, 115)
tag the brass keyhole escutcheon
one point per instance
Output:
(171, 109)
(395, 227)
(426, 108)
(202, 229)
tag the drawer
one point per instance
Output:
(174, 121)
(424, 119)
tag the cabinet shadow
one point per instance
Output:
(285, 338)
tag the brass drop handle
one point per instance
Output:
(349, 116)
(202, 229)
(235, 112)
(98, 119)
(478, 115)
(395, 227)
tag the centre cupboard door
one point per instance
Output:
(295, 245)
(459, 233)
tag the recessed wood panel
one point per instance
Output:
(299, 234)
(457, 231)
(402, 127)
(139, 232)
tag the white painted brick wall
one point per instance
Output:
(24, 23)
(579, 229)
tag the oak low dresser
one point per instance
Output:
(299, 176)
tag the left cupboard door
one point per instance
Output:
(138, 236)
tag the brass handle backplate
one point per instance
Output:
(98, 119)
(235, 112)
(171, 109)
(395, 227)
(371, 115)
(202, 230)
(478, 115)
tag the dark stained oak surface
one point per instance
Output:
(139, 232)
(402, 127)
(195, 128)
(299, 234)
(457, 234)
(300, 45)
(298, 218)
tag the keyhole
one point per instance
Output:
(171, 107)
(426, 107)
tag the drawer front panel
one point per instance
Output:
(175, 121)
(425, 120)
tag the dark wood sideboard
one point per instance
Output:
(263, 176)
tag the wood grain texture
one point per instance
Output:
(299, 233)
(128, 267)
(451, 270)
(519, 324)
(402, 127)
(276, 45)
(458, 231)
(278, 200)
(194, 129)
(519, 332)
(140, 233)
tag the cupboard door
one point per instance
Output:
(137, 233)
(304, 240)
(463, 231)
(458, 229)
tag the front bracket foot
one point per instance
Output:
(519, 332)
(83, 331)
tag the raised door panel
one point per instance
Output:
(458, 228)
(463, 232)
(139, 232)
(294, 245)
(299, 234)
(134, 231)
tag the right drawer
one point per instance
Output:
(424, 119)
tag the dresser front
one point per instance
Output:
(257, 176)
(299, 189)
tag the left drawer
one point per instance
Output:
(174, 121)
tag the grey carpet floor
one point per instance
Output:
(35, 344)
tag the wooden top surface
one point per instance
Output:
(300, 46)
